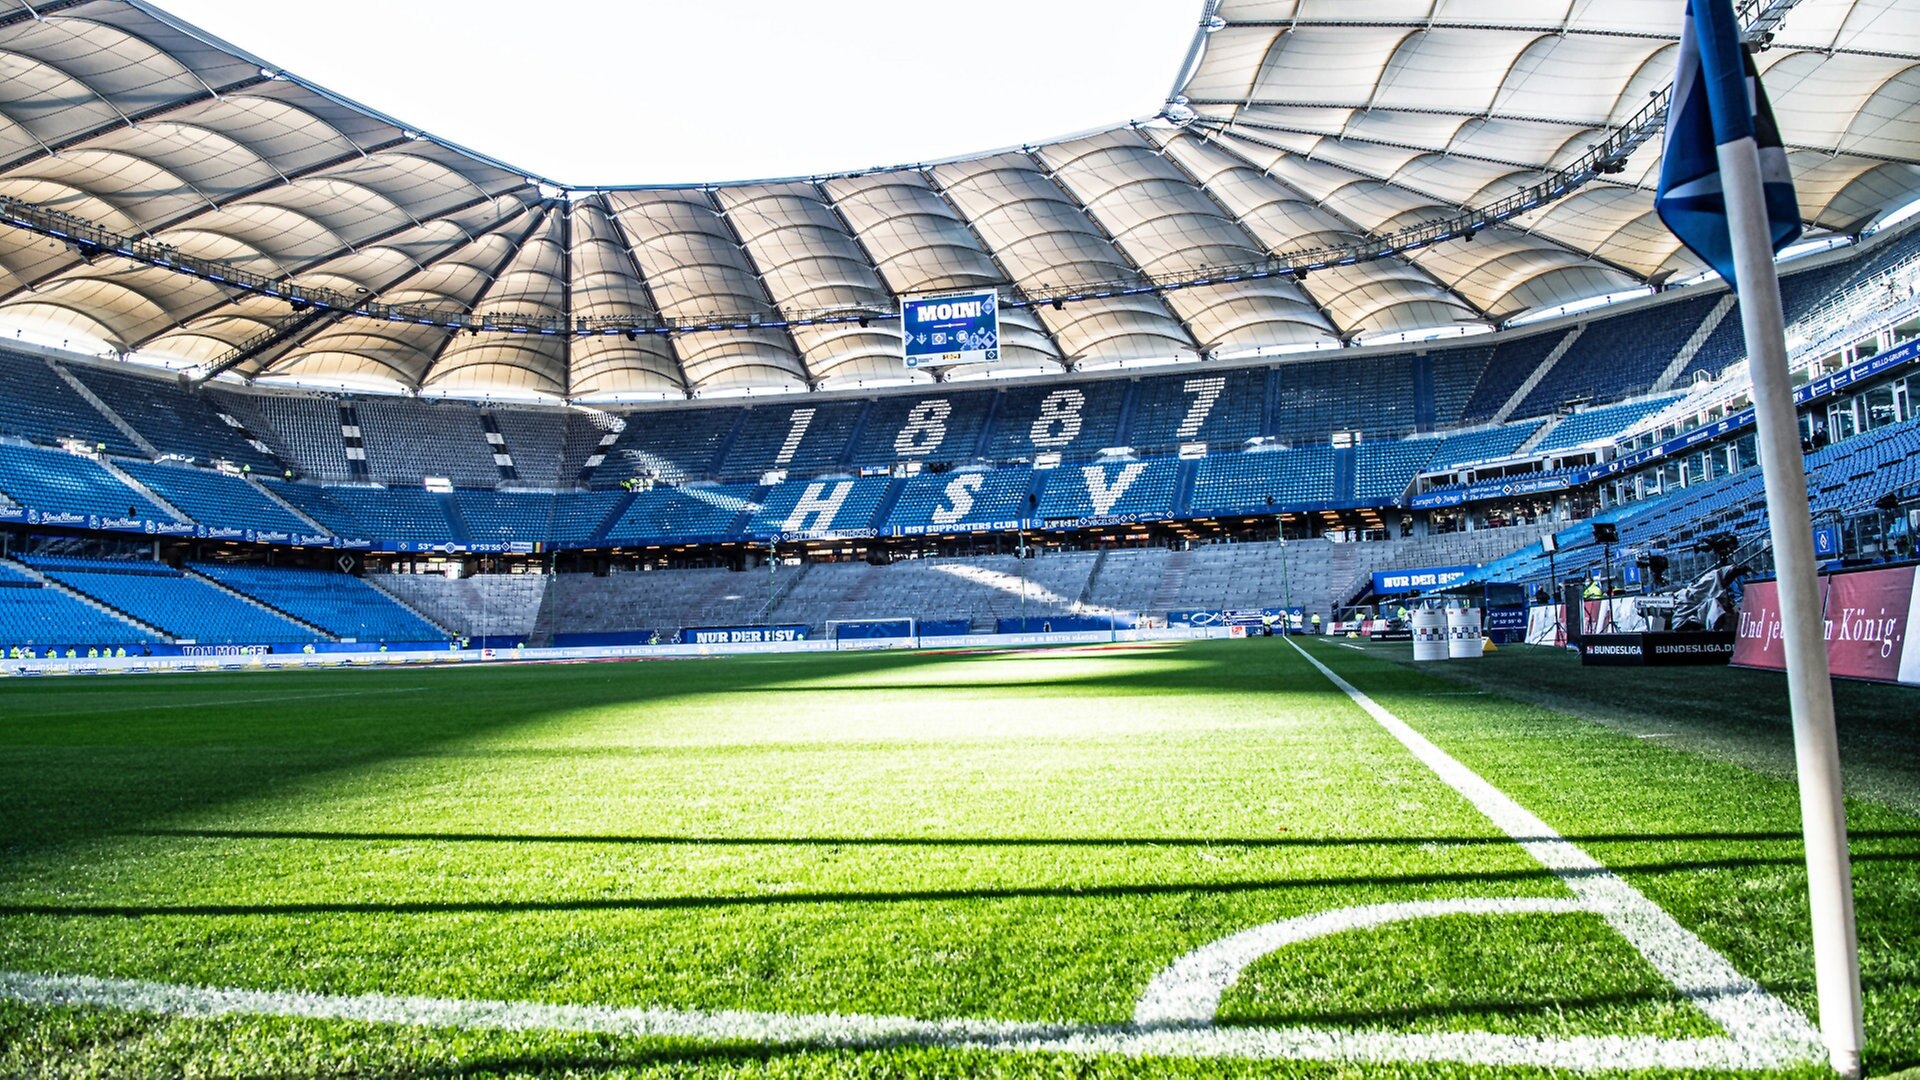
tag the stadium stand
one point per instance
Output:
(174, 421)
(923, 427)
(682, 513)
(1374, 395)
(41, 406)
(187, 608)
(581, 442)
(53, 481)
(536, 440)
(1383, 470)
(1457, 373)
(1109, 488)
(1620, 356)
(340, 604)
(408, 439)
(668, 445)
(956, 500)
(979, 590)
(581, 516)
(487, 605)
(1075, 422)
(1506, 371)
(318, 504)
(507, 516)
(1221, 409)
(1487, 444)
(827, 505)
(214, 498)
(35, 615)
(802, 439)
(1845, 476)
(304, 431)
(1604, 424)
(660, 600)
(398, 513)
(1244, 482)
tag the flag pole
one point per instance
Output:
(1823, 815)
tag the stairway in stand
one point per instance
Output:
(1343, 572)
(1167, 592)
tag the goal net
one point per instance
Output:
(875, 633)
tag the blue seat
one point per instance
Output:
(341, 604)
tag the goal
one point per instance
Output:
(882, 632)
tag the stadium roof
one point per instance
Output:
(1427, 164)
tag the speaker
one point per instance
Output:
(1606, 532)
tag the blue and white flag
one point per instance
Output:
(1718, 99)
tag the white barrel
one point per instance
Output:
(1463, 633)
(1429, 634)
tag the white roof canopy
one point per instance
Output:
(257, 203)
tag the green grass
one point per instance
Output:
(1011, 836)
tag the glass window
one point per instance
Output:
(1879, 407)
(1841, 423)
(1746, 451)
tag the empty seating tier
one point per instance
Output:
(186, 608)
(340, 604)
(212, 498)
(52, 481)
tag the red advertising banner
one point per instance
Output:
(1868, 614)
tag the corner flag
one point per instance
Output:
(1726, 192)
(1717, 98)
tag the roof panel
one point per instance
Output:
(1316, 124)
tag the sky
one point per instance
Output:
(594, 92)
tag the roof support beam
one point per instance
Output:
(370, 242)
(287, 331)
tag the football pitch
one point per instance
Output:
(1216, 858)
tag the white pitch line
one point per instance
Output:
(833, 1030)
(1739, 1005)
(1189, 991)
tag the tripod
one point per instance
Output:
(1554, 599)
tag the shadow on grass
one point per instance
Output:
(83, 758)
(908, 896)
(1451, 1009)
(589, 1063)
(327, 836)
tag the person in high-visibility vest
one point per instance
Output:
(1592, 591)
(1266, 623)
(1316, 623)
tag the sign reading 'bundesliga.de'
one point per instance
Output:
(1870, 615)
(958, 329)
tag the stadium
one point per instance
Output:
(1245, 590)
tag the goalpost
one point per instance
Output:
(878, 632)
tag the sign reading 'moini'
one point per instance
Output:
(959, 329)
